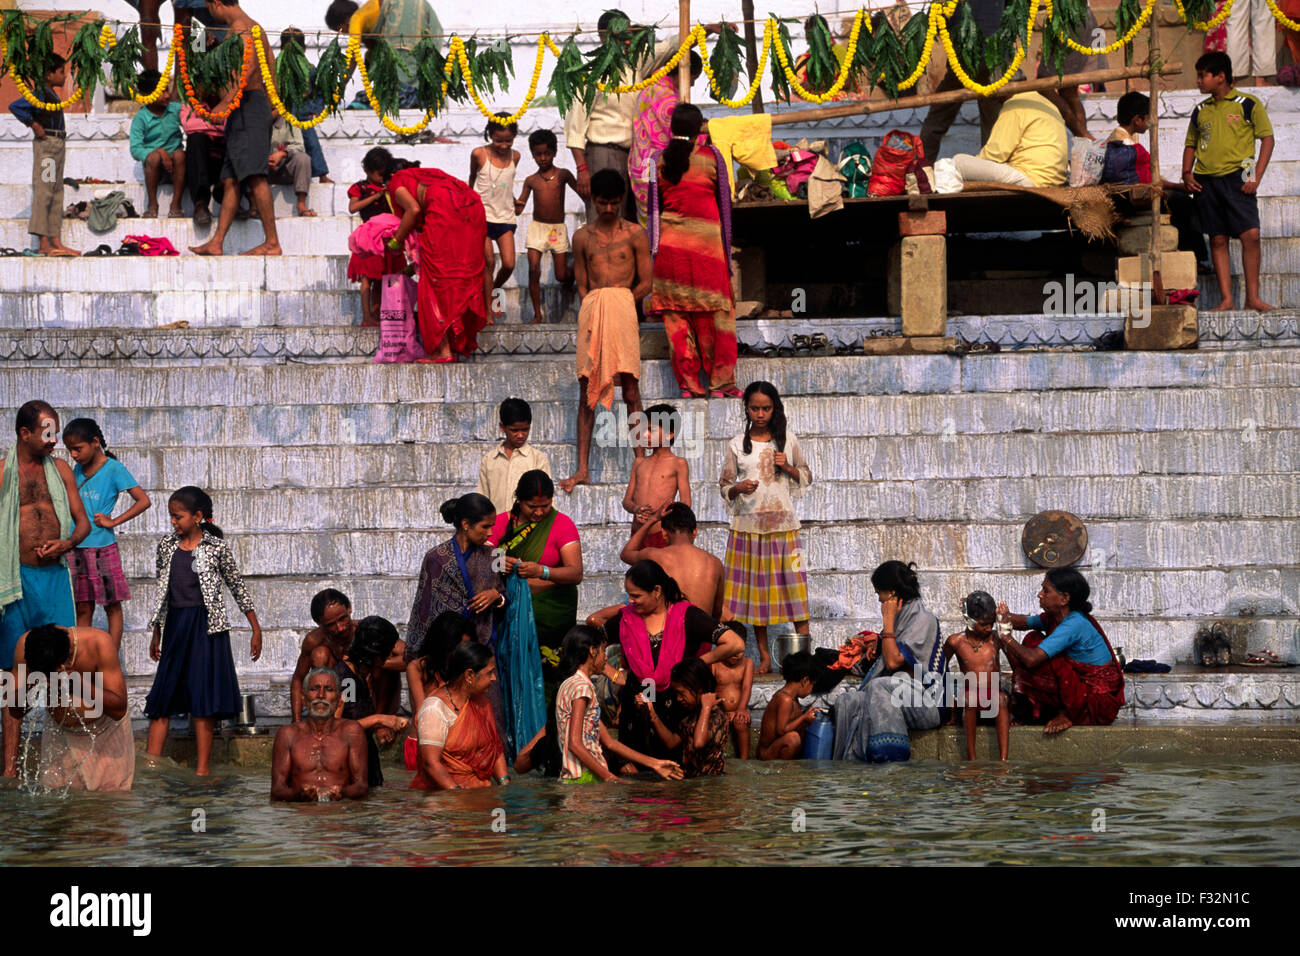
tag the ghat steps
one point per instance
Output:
(328, 470)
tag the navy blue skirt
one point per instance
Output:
(196, 674)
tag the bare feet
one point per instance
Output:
(326, 181)
(1259, 305)
(764, 667)
(304, 211)
(265, 249)
(207, 249)
(1224, 305)
(1058, 724)
(61, 253)
(579, 478)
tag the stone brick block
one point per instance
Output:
(918, 284)
(931, 223)
(1135, 240)
(1177, 270)
(1167, 327)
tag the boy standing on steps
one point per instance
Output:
(1221, 139)
(48, 148)
(611, 258)
(248, 142)
(547, 232)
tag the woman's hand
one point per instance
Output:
(741, 717)
(484, 600)
(666, 769)
(779, 460)
(708, 702)
(645, 705)
(155, 646)
(510, 563)
(255, 645)
(1004, 612)
(530, 569)
(743, 488)
(890, 605)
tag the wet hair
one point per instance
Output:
(197, 501)
(1132, 104)
(472, 507)
(329, 672)
(736, 626)
(339, 13)
(978, 605)
(609, 16)
(686, 122)
(577, 647)
(495, 124)
(542, 137)
(293, 34)
(777, 424)
(514, 411)
(534, 484)
(374, 641)
(897, 577)
(86, 430)
(148, 80)
(666, 417)
(377, 160)
(607, 184)
(678, 516)
(469, 656)
(1216, 62)
(797, 666)
(446, 631)
(694, 675)
(47, 648)
(29, 415)
(1074, 586)
(647, 575)
(324, 598)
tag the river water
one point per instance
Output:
(921, 812)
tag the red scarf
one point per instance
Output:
(635, 640)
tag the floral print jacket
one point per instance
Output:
(213, 563)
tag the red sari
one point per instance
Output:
(453, 229)
(471, 750)
(1089, 694)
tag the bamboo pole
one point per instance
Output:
(1157, 290)
(751, 50)
(684, 67)
(960, 96)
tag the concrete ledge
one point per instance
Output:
(1105, 746)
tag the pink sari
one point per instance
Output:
(651, 132)
(635, 641)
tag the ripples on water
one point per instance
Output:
(918, 812)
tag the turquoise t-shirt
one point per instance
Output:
(1076, 638)
(99, 494)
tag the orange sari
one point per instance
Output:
(471, 750)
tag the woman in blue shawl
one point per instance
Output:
(457, 576)
(903, 689)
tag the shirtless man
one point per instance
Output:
(248, 143)
(547, 232)
(322, 757)
(332, 612)
(735, 679)
(81, 661)
(698, 573)
(611, 258)
(35, 588)
(658, 478)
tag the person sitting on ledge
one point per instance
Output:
(1028, 146)
(332, 611)
(321, 757)
(1065, 669)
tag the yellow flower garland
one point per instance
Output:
(756, 80)
(954, 63)
(457, 50)
(845, 68)
(1278, 15)
(1222, 15)
(26, 92)
(274, 96)
(108, 40)
(696, 34)
(1128, 37)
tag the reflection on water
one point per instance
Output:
(919, 812)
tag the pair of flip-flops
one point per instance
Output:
(816, 344)
(1211, 648)
(103, 249)
(7, 252)
(1266, 659)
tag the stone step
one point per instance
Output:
(552, 378)
(290, 539)
(944, 415)
(1152, 497)
(890, 458)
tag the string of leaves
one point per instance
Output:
(1198, 10)
(1067, 20)
(568, 78)
(124, 63)
(1126, 14)
(1013, 28)
(493, 67)
(780, 85)
(86, 57)
(430, 67)
(30, 56)
(293, 73)
(821, 66)
(213, 70)
(386, 72)
(968, 41)
(725, 61)
(332, 74)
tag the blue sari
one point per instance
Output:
(519, 661)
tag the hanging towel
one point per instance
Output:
(520, 661)
(11, 585)
(745, 139)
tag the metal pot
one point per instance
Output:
(246, 722)
(788, 644)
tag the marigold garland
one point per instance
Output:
(1127, 38)
(756, 80)
(274, 96)
(107, 41)
(1222, 15)
(845, 68)
(26, 92)
(954, 63)
(200, 110)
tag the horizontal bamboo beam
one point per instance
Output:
(961, 96)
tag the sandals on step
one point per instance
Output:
(1266, 659)
(103, 249)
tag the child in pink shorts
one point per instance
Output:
(97, 576)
